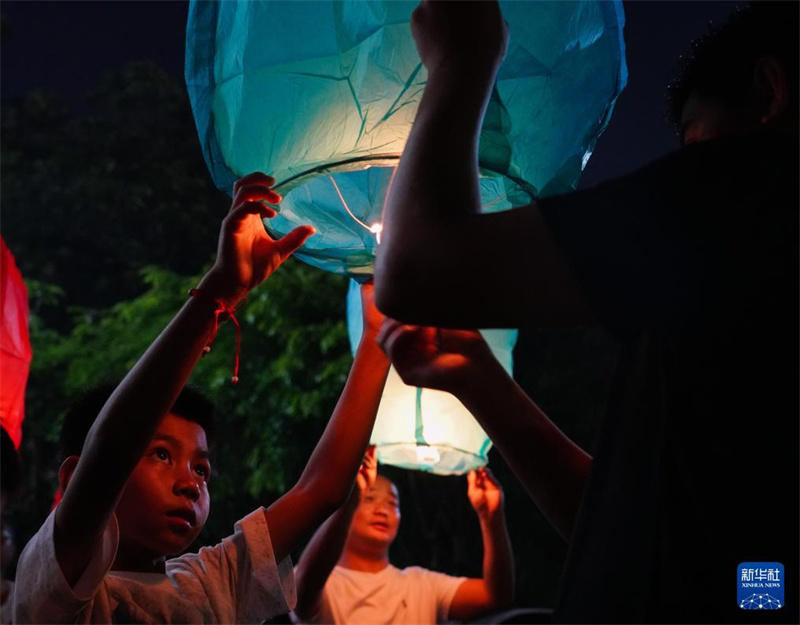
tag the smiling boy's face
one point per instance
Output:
(165, 503)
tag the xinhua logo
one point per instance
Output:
(760, 586)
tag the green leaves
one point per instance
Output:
(294, 362)
(109, 209)
(93, 194)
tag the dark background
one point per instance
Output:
(84, 211)
(65, 46)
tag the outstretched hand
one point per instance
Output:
(368, 472)
(484, 492)
(435, 358)
(246, 253)
(373, 318)
(452, 35)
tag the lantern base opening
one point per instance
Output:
(438, 459)
(344, 202)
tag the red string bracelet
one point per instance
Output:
(222, 313)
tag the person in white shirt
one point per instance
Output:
(344, 575)
(136, 491)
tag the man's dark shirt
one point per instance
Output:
(692, 263)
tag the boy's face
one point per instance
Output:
(377, 517)
(165, 502)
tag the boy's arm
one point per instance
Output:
(246, 256)
(495, 590)
(325, 548)
(320, 557)
(440, 261)
(327, 479)
(550, 466)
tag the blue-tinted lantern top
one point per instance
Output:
(322, 95)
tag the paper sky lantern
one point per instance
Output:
(322, 96)
(15, 345)
(425, 429)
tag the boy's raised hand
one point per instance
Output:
(447, 360)
(373, 318)
(246, 253)
(484, 492)
(454, 35)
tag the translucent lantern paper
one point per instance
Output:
(15, 345)
(425, 429)
(322, 96)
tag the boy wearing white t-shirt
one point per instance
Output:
(138, 491)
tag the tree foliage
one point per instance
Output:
(112, 217)
(107, 206)
(93, 194)
(294, 362)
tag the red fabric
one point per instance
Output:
(15, 345)
(221, 314)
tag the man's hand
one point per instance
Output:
(246, 254)
(463, 37)
(446, 360)
(373, 318)
(368, 473)
(495, 590)
(484, 492)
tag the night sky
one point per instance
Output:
(65, 46)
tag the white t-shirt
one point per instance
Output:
(236, 581)
(411, 596)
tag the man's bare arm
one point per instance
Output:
(495, 590)
(551, 467)
(441, 262)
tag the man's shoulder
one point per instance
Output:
(417, 571)
(391, 572)
(744, 158)
(421, 574)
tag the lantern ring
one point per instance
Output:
(385, 160)
(350, 164)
